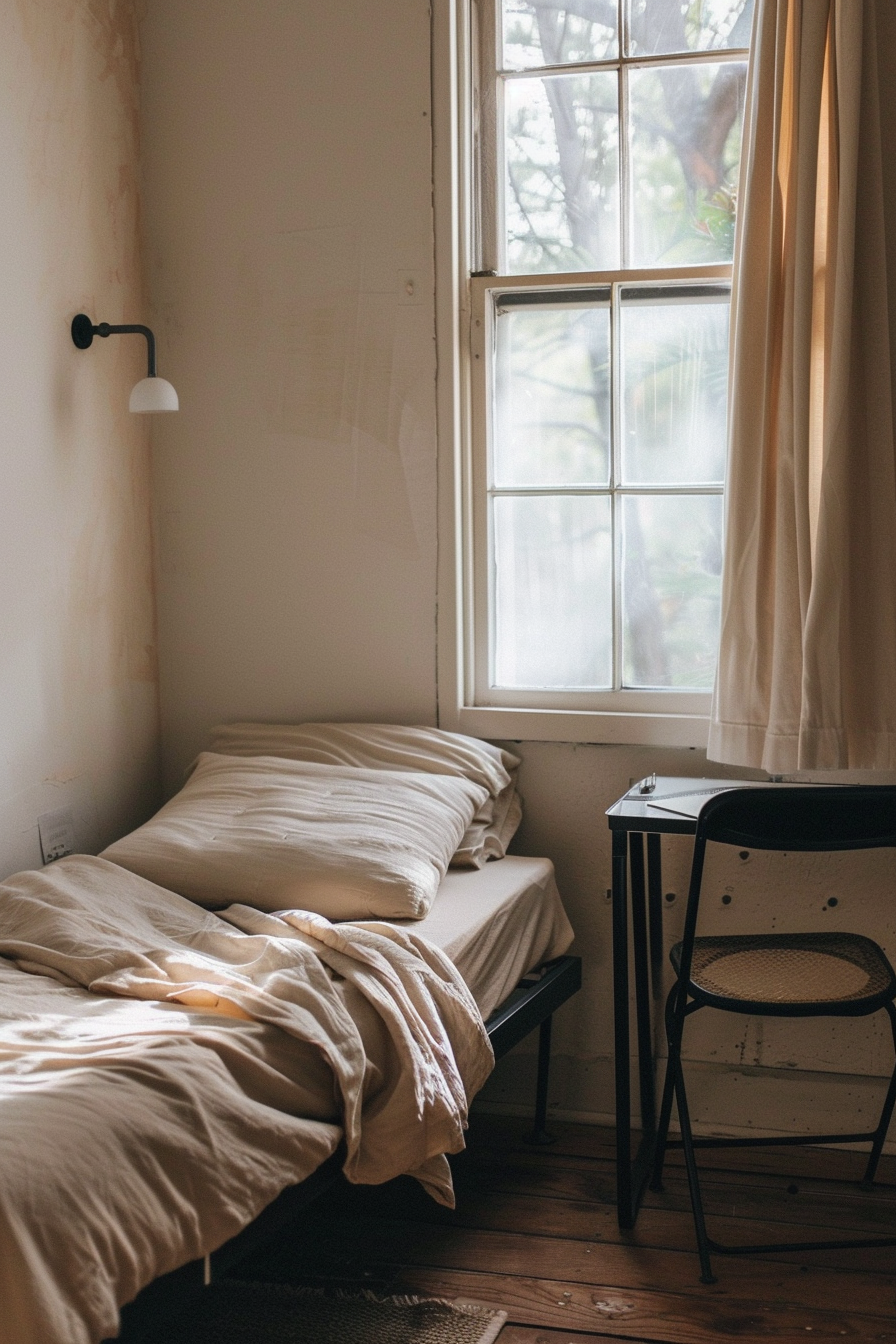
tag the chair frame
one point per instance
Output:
(797, 819)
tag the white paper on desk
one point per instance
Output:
(688, 804)
(683, 807)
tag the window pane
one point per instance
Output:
(688, 25)
(671, 567)
(675, 391)
(686, 123)
(552, 397)
(536, 34)
(553, 591)
(562, 189)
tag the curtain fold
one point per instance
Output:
(807, 665)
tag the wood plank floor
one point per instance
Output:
(535, 1232)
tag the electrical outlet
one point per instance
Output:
(57, 833)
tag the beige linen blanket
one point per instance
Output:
(390, 1043)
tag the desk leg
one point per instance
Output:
(655, 912)
(632, 1176)
(624, 1202)
(643, 1005)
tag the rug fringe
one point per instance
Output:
(493, 1329)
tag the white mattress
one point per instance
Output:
(496, 923)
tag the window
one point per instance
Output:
(605, 151)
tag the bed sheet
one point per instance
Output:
(496, 923)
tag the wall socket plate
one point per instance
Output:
(57, 833)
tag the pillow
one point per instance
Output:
(391, 746)
(345, 842)
(490, 831)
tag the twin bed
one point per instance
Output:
(170, 1063)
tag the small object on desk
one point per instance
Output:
(684, 804)
(648, 785)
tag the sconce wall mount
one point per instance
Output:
(151, 393)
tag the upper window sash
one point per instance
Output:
(622, 81)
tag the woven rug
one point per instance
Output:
(232, 1312)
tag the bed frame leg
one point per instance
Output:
(539, 1133)
(206, 1271)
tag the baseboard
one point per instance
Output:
(767, 1102)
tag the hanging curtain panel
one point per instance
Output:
(807, 668)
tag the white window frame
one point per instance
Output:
(665, 718)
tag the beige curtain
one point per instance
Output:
(807, 668)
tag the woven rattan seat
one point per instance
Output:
(765, 972)
(811, 974)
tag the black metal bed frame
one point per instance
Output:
(531, 1004)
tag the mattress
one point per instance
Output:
(496, 923)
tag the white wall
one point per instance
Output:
(288, 181)
(289, 205)
(78, 678)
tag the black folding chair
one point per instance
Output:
(778, 975)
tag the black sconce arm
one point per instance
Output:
(83, 332)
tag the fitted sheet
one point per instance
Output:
(496, 923)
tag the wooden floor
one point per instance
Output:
(535, 1232)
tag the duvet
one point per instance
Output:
(165, 1072)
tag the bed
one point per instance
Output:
(141, 1133)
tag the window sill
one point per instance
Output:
(563, 725)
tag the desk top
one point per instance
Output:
(671, 807)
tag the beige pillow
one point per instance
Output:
(345, 842)
(490, 831)
(392, 746)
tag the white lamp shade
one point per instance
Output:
(153, 394)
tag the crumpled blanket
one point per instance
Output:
(402, 1074)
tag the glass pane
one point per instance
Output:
(671, 567)
(553, 591)
(675, 391)
(552, 397)
(536, 33)
(688, 25)
(561, 210)
(686, 123)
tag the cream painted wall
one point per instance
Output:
(78, 669)
(290, 257)
(288, 181)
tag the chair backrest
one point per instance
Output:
(788, 817)
(802, 817)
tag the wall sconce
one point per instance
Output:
(151, 393)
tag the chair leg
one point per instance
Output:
(886, 1114)
(690, 1161)
(662, 1134)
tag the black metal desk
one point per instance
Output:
(631, 818)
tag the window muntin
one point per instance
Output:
(608, 154)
